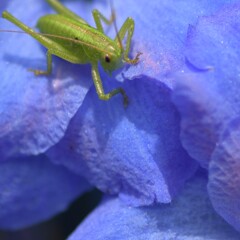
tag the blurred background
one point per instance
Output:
(62, 225)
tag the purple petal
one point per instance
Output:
(134, 152)
(208, 98)
(189, 217)
(160, 32)
(202, 121)
(224, 175)
(33, 190)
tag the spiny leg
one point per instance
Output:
(98, 17)
(49, 66)
(99, 88)
(127, 28)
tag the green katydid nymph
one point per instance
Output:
(71, 38)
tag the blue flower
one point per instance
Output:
(32, 189)
(207, 96)
(134, 153)
(188, 217)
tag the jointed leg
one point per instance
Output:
(49, 66)
(127, 28)
(98, 17)
(99, 88)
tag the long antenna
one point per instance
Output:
(115, 24)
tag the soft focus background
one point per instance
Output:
(62, 225)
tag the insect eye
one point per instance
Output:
(107, 59)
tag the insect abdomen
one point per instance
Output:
(80, 41)
(65, 47)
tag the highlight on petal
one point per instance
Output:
(33, 190)
(135, 151)
(189, 217)
(160, 32)
(224, 175)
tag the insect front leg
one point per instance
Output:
(99, 88)
(49, 66)
(98, 17)
(127, 28)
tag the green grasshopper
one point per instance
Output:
(69, 37)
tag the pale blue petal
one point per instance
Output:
(224, 175)
(33, 190)
(135, 151)
(190, 217)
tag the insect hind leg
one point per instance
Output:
(49, 66)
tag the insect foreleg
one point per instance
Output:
(49, 66)
(127, 28)
(99, 88)
(98, 17)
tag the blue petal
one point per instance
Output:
(160, 32)
(201, 117)
(224, 175)
(33, 190)
(43, 106)
(208, 100)
(79, 149)
(35, 111)
(134, 152)
(208, 97)
(189, 217)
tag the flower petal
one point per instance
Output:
(208, 100)
(224, 175)
(35, 111)
(207, 93)
(189, 217)
(33, 190)
(201, 117)
(134, 152)
(43, 108)
(160, 32)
